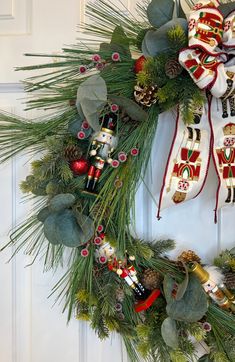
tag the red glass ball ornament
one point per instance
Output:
(79, 167)
(139, 64)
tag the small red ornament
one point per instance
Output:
(122, 157)
(103, 259)
(97, 240)
(115, 163)
(139, 64)
(81, 135)
(84, 252)
(79, 167)
(134, 151)
(100, 228)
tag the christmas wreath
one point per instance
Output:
(104, 98)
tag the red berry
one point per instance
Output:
(84, 252)
(103, 259)
(139, 64)
(100, 228)
(97, 240)
(81, 135)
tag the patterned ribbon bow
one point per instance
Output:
(210, 61)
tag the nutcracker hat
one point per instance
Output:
(206, 26)
(229, 129)
(109, 122)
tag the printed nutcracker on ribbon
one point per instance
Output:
(188, 162)
(212, 69)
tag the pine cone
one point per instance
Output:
(120, 295)
(145, 95)
(173, 68)
(188, 256)
(230, 280)
(151, 279)
(72, 153)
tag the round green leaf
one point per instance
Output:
(68, 232)
(87, 226)
(193, 305)
(160, 12)
(91, 98)
(43, 214)
(61, 202)
(169, 333)
(50, 229)
(156, 41)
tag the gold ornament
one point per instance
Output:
(145, 95)
(189, 256)
(199, 271)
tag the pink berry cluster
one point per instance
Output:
(122, 157)
(81, 134)
(98, 62)
(98, 240)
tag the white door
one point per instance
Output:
(31, 330)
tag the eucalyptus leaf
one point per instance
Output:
(68, 232)
(156, 41)
(92, 97)
(132, 109)
(192, 307)
(75, 126)
(43, 214)
(61, 202)
(182, 287)
(169, 333)
(227, 8)
(87, 226)
(119, 43)
(120, 39)
(50, 229)
(160, 12)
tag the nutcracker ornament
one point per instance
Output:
(212, 282)
(103, 144)
(125, 269)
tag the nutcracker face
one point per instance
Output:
(107, 250)
(229, 141)
(209, 286)
(104, 137)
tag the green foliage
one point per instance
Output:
(225, 260)
(178, 356)
(192, 306)
(160, 12)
